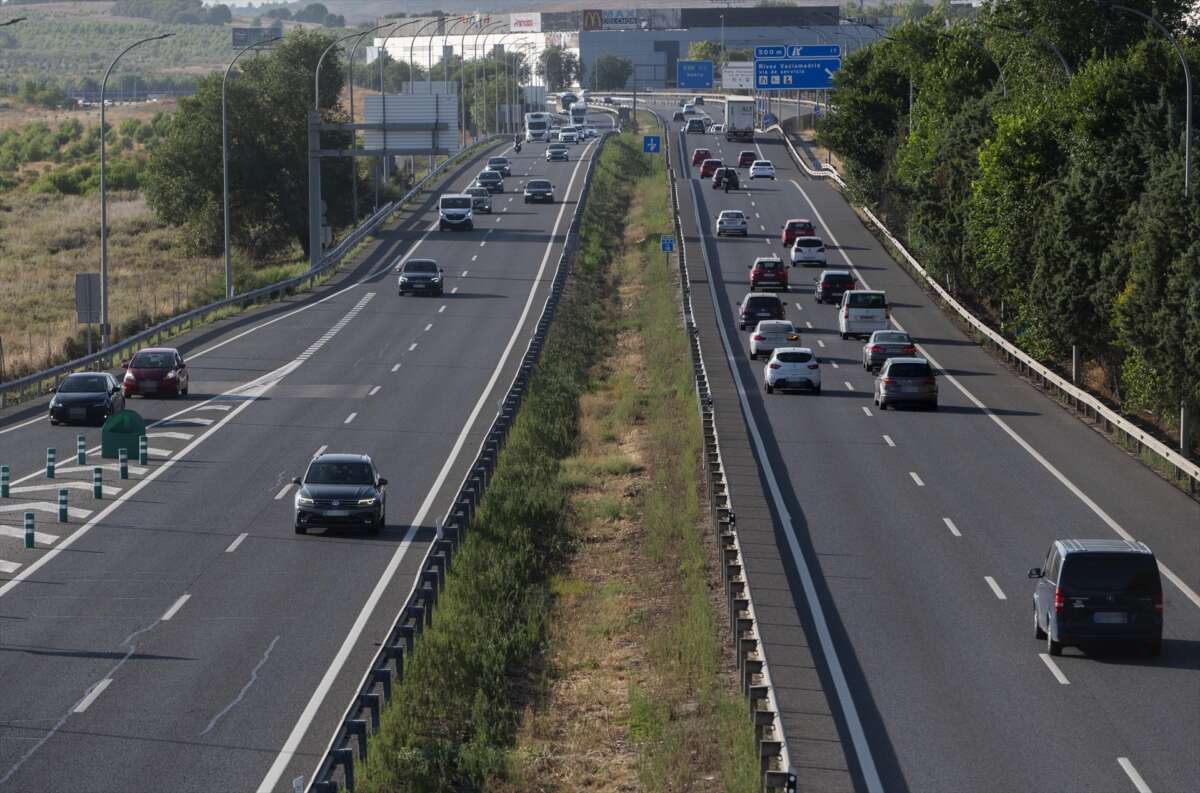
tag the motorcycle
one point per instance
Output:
(517, 148)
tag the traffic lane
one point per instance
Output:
(1039, 495)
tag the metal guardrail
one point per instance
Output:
(33, 385)
(361, 718)
(1079, 398)
(753, 670)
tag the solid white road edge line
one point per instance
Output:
(288, 751)
(1187, 591)
(1134, 776)
(1054, 670)
(858, 737)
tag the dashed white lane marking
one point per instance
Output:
(91, 695)
(866, 410)
(41, 538)
(1054, 670)
(761, 227)
(178, 436)
(752, 203)
(888, 440)
(233, 546)
(454, 290)
(757, 215)
(464, 274)
(9, 567)
(396, 368)
(428, 327)
(440, 310)
(950, 525)
(498, 219)
(283, 491)
(834, 364)
(482, 243)
(506, 208)
(808, 324)
(45, 506)
(412, 346)
(916, 478)
(849, 385)
(820, 343)
(474, 256)
(996, 590)
(374, 390)
(350, 418)
(175, 607)
(1134, 776)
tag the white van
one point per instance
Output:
(455, 212)
(862, 312)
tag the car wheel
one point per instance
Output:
(185, 390)
(1038, 633)
(374, 526)
(53, 423)
(441, 227)
(300, 529)
(1053, 647)
(883, 405)
(770, 388)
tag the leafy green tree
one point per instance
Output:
(611, 73)
(558, 67)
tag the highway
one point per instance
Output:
(178, 635)
(919, 528)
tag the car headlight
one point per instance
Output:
(404, 279)
(170, 375)
(367, 502)
(303, 500)
(437, 279)
(53, 403)
(129, 378)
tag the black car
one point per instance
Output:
(831, 284)
(420, 277)
(539, 190)
(86, 397)
(677, 115)
(723, 175)
(1098, 591)
(340, 490)
(757, 306)
(492, 180)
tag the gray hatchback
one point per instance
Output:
(885, 344)
(906, 380)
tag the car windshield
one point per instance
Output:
(456, 203)
(84, 384)
(732, 214)
(497, 161)
(768, 264)
(536, 126)
(557, 147)
(762, 302)
(488, 176)
(891, 337)
(775, 327)
(796, 225)
(794, 357)
(762, 164)
(909, 370)
(420, 266)
(808, 243)
(837, 278)
(539, 185)
(329, 473)
(868, 300)
(1110, 572)
(153, 360)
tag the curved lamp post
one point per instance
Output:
(225, 159)
(104, 189)
(462, 79)
(412, 45)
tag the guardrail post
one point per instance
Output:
(143, 450)
(80, 450)
(62, 505)
(5, 475)
(97, 482)
(345, 758)
(123, 462)
(28, 529)
(50, 462)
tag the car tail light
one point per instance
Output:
(814, 365)
(909, 349)
(875, 348)
(1158, 603)
(846, 314)
(760, 338)
(888, 381)
(773, 365)
(793, 337)
(930, 381)
(1060, 601)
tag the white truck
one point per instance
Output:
(739, 118)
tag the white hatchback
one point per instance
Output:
(762, 169)
(772, 333)
(792, 367)
(731, 221)
(808, 250)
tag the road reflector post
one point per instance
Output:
(143, 449)
(123, 462)
(97, 482)
(80, 450)
(5, 475)
(28, 529)
(62, 505)
(50, 462)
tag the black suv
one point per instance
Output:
(492, 180)
(539, 190)
(758, 306)
(723, 175)
(340, 490)
(831, 284)
(1098, 591)
(419, 277)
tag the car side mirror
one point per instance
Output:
(124, 364)
(440, 270)
(382, 481)
(816, 280)
(1035, 572)
(296, 480)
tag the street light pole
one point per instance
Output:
(225, 159)
(354, 160)
(104, 329)
(462, 80)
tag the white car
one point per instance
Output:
(717, 129)
(591, 132)
(762, 169)
(770, 334)
(862, 312)
(792, 367)
(689, 109)
(808, 250)
(732, 221)
(568, 136)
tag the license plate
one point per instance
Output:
(149, 388)
(77, 413)
(337, 513)
(1110, 617)
(910, 389)
(419, 286)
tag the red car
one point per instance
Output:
(700, 155)
(155, 371)
(709, 167)
(796, 227)
(746, 159)
(768, 271)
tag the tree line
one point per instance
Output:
(1048, 195)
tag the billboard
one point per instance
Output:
(248, 37)
(416, 115)
(737, 75)
(611, 19)
(525, 23)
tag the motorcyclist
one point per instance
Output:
(517, 143)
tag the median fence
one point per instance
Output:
(47, 380)
(753, 672)
(361, 718)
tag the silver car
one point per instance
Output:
(885, 344)
(732, 221)
(771, 334)
(906, 380)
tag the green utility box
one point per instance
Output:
(122, 431)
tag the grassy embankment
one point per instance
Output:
(576, 644)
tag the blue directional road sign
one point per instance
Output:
(773, 51)
(814, 51)
(666, 242)
(694, 74)
(790, 74)
(651, 144)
